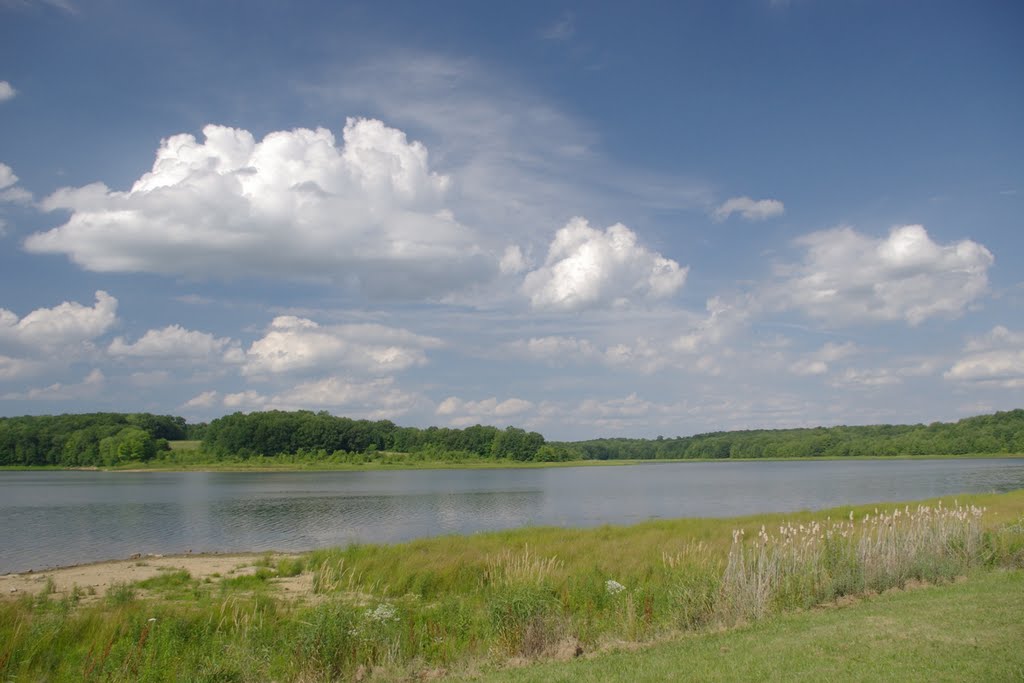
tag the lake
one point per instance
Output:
(52, 518)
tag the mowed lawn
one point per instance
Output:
(968, 631)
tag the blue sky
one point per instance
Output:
(586, 219)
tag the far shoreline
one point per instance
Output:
(258, 466)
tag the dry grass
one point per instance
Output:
(806, 564)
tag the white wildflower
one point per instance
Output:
(382, 613)
(613, 587)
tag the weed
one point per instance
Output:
(290, 566)
(520, 618)
(166, 581)
(119, 594)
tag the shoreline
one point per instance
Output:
(96, 578)
(1007, 505)
(442, 465)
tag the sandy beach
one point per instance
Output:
(93, 580)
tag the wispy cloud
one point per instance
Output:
(750, 209)
(563, 28)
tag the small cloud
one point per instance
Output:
(296, 345)
(64, 5)
(1008, 193)
(512, 262)
(866, 379)
(194, 299)
(563, 29)
(750, 209)
(817, 363)
(176, 342)
(203, 400)
(463, 413)
(89, 386)
(7, 177)
(9, 191)
(7, 91)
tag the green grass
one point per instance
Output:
(465, 603)
(969, 631)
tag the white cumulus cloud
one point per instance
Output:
(298, 345)
(462, 413)
(590, 268)
(750, 209)
(66, 324)
(849, 277)
(13, 368)
(817, 362)
(7, 91)
(995, 359)
(7, 177)
(373, 399)
(205, 399)
(366, 213)
(9, 190)
(555, 349)
(176, 342)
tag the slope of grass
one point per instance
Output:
(968, 631)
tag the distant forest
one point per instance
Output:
(1001, 432)
(107, 439)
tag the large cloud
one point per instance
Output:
(849, 277)
(367, 213)
(300, 345)
(65, 325)
(995, 359)
(589, 268)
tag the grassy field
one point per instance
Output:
(481, 603)
(968, 631)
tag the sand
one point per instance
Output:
(93, 580)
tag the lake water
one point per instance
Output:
(58, 518)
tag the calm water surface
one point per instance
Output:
(59, 518)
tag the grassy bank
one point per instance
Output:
(478, 603)
(967, 631)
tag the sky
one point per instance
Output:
(585, 219)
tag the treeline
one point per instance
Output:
(90, 439)
(103, 439)
(1002, 432)
(276, 432)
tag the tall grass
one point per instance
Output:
(445, 603)
(806, 564)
